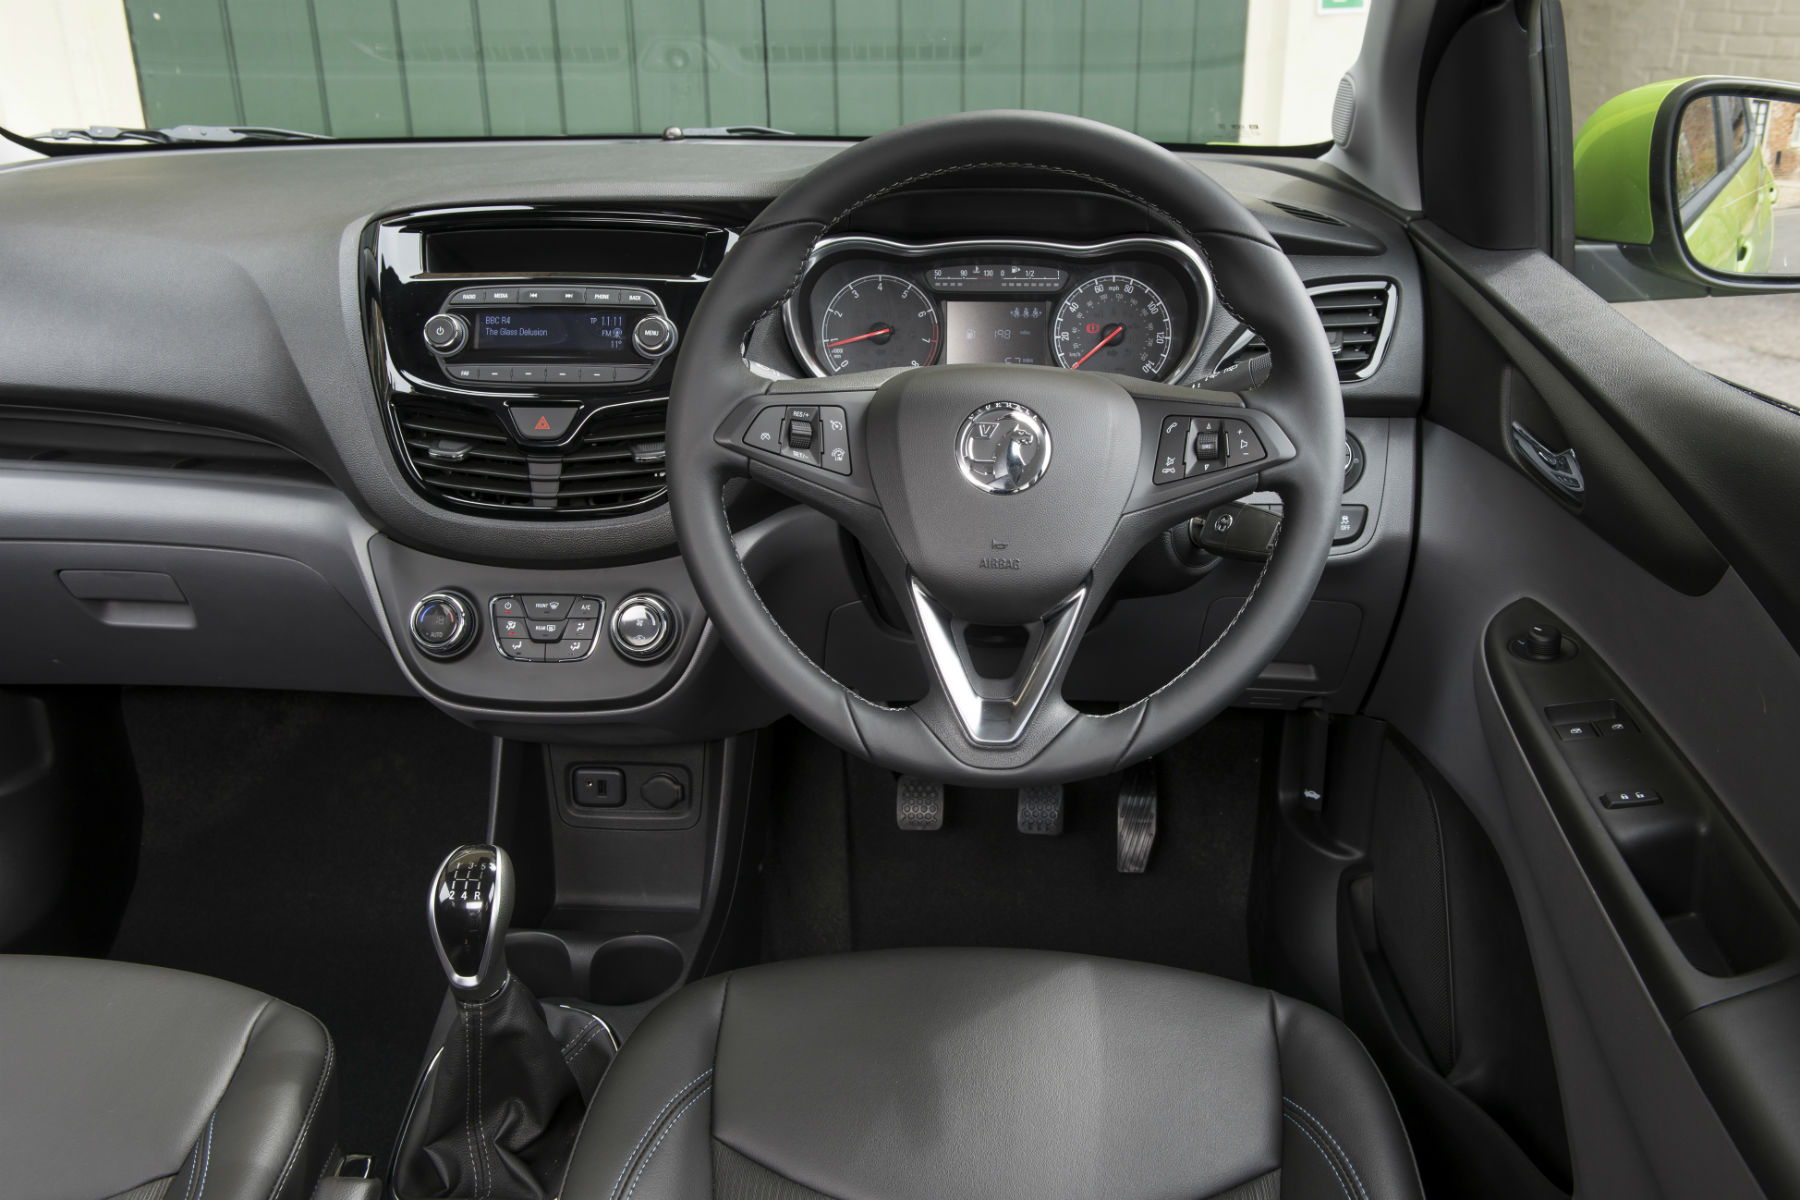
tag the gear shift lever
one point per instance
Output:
(471, 907)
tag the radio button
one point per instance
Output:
(496, 374)
(466, 372)
(562, 374)
(541, 424)
(466, 296)
(599, 374)
(528, 374)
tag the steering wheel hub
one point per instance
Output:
(1004, 448)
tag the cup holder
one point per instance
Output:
(631, 970)
(541, 961)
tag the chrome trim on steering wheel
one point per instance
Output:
(995, 721)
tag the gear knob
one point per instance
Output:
(471, 907)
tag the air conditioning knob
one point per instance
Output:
(442, 624)
(446, 333)
(653, 336)
(644, 627)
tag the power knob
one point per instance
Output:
(442, 624)
(653, 336)
(446, 333)
(644, 627)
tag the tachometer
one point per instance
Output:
(878, 321)
(1113, 323)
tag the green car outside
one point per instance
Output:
(1723, 184)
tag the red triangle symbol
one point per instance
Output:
(543, 423)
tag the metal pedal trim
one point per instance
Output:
(1137, 819)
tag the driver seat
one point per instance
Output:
(991, 1075)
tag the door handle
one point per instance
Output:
(1560, 469)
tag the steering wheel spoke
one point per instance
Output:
(805, 442)
(994, 711)
(1201, 449)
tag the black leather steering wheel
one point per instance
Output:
(1007, 495)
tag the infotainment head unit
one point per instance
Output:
(565, 334)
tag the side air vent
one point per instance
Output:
(1356, 317)
(463, 455)
(1305, 214)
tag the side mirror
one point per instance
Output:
(1697, 180)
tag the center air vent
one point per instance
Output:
(464, 456)
(1355, 316)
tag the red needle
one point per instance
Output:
(1116, 331)
(861, 336)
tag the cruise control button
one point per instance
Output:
(546, 631)
(834, 447)
(585, 608)
(568, 651)
(547, 608)
(765, 431)
(523, 649)
(542, 424)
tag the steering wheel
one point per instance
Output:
(1003, 495)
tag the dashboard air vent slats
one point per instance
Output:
(1355, 317)
(464, 456)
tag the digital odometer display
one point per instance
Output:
(997, 331)
(590, 334)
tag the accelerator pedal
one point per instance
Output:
(918, 804)
(1137, 818)
(1041, 809)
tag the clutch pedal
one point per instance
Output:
(1041, 809)
(918, 804)
(1137, 818)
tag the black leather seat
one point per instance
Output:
(991, 1075)
(124, 1081)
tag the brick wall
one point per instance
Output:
(1615, 45)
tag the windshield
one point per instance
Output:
(1262, 72)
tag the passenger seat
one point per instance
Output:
(126, 1082)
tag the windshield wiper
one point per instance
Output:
(182, 135)
(676, 133)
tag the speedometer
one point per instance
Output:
(1113, 323)
(878, 321)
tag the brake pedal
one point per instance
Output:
(1041, 809)
(1137, 818)
(918, 804)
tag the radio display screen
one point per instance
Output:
(594, 335)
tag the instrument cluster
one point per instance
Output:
(1132, 306)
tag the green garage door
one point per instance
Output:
(1170, 69)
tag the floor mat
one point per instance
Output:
(979, 882)
(289, 840)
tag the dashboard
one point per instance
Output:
(1133, 306)
(386, 400)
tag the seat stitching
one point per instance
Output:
(657, 1145)
(651, 1128)
(1291, 1119)
(311, 1111)
(1346, 1154)
(206, 1159)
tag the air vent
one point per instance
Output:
(463, 455)
(1355, 316)
(1305, 214)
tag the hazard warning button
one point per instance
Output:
(542, 424)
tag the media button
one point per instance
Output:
(568, 295)
(536, 295)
